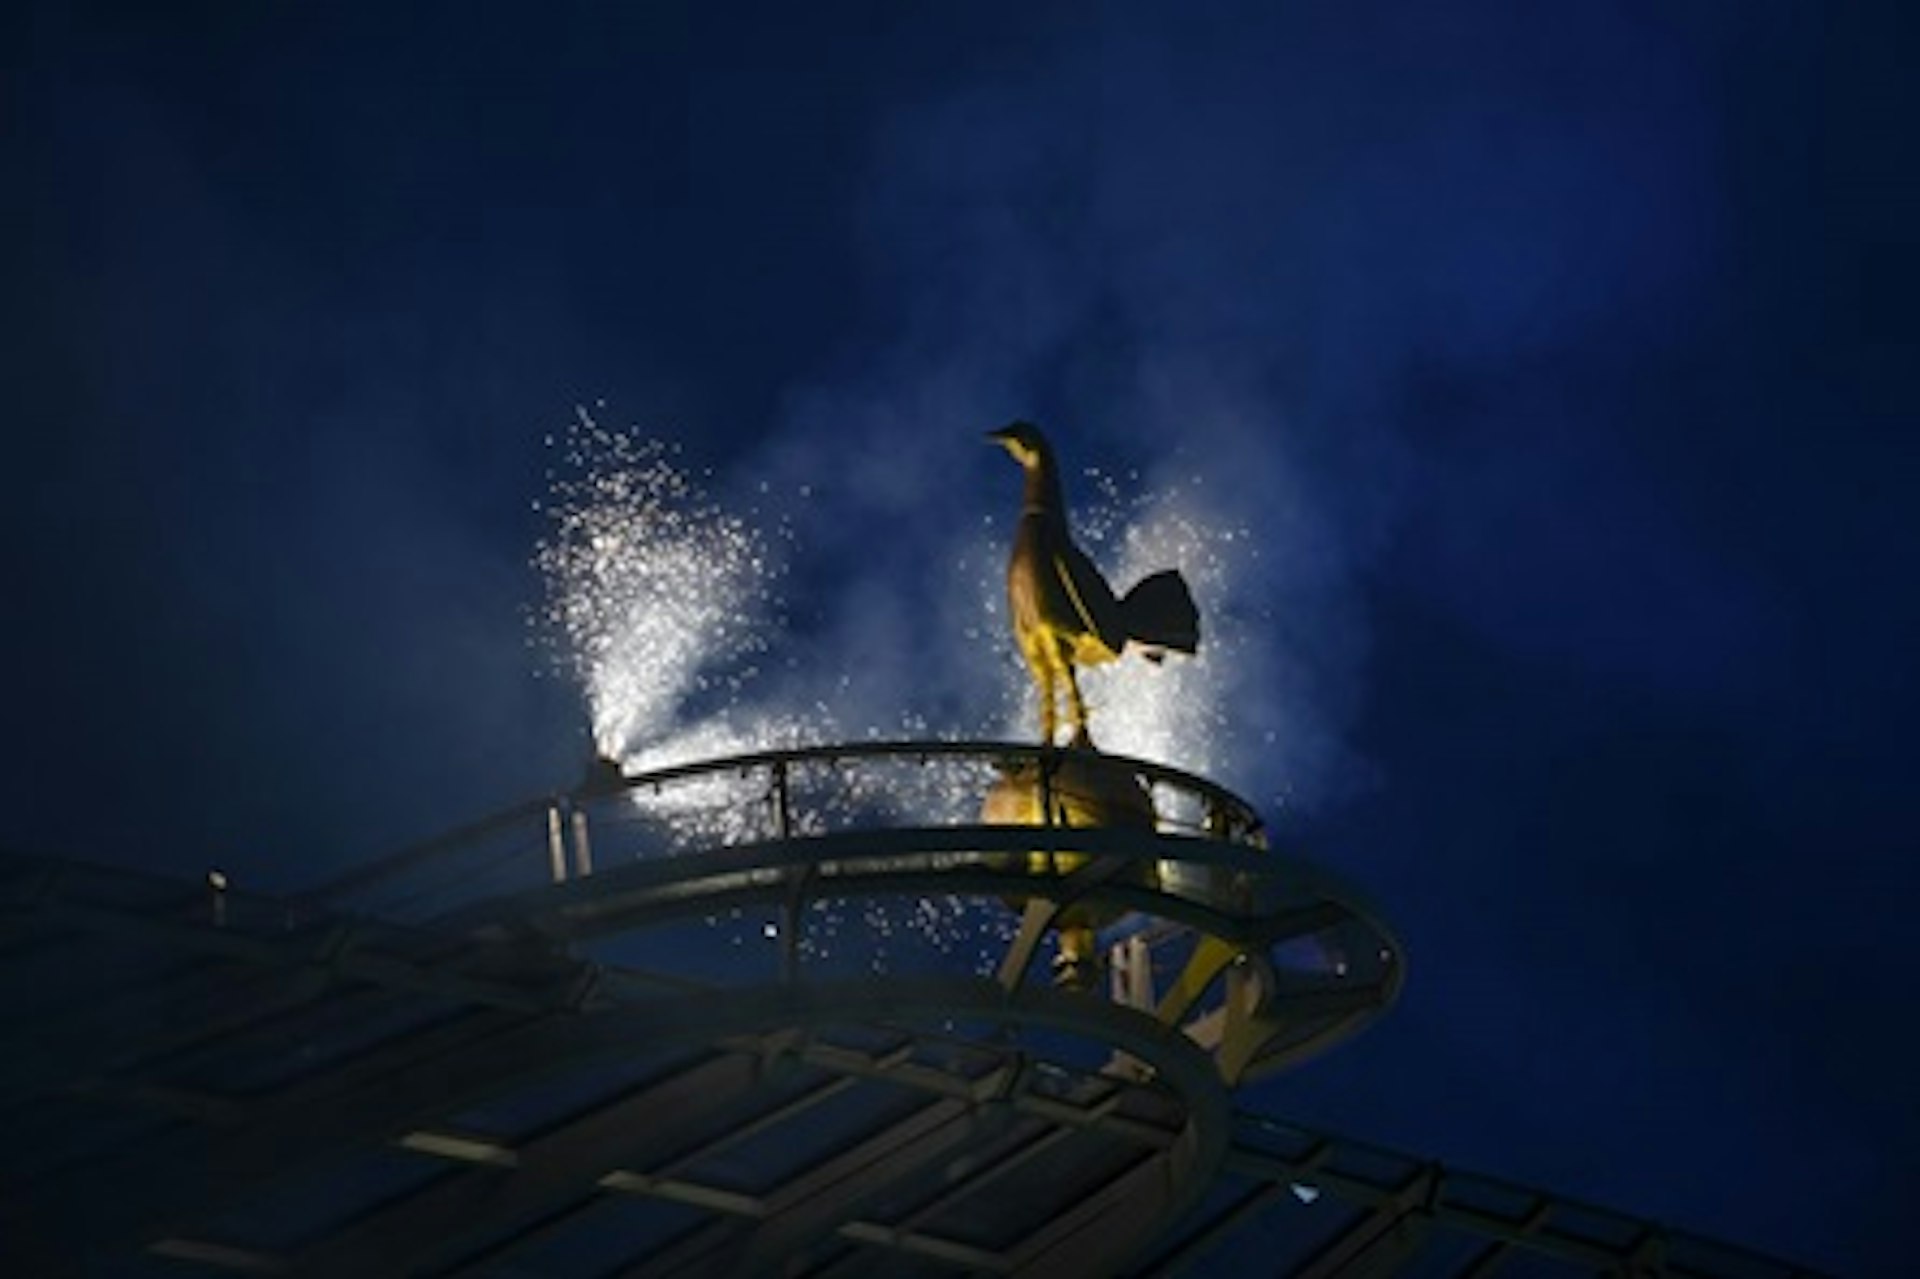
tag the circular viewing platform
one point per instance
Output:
(868, 862)
(796, 1012)
(1110, 917)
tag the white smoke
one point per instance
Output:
(668, 609)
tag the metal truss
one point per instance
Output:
(208, 1081)
(1257, 955)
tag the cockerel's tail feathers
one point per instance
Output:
(1159, 614)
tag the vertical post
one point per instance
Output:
(796, 876)
(790, 935)
(582, 849)
(782, 802)
(556, 844)
(1139, 973)
(1131, 964)
(1221, 887)
(1046, 800)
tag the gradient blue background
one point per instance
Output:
(1589, 328)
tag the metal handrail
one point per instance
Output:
(986, 750)
(1229, 819)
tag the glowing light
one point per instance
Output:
(1177, 713)
(663, 605)
(655, 594)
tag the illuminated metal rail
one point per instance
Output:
(1244, 959)
(767, 795)
(1236, 819)
(1258, 956)
(227, 1083)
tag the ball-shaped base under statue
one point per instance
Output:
(1077, 788)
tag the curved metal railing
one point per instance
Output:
(1163, 879)
(761, 796)
(1226, 815)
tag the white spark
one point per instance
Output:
(661, 604)
(656, 597)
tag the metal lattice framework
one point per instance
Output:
(474, 1084)
(1257, 956)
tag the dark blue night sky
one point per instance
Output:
(1586, 331)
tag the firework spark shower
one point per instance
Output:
(656, 600)
(1561, 370)
(666, 607)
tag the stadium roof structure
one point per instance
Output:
(629, 1031)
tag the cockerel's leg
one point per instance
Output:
(1076, 705)
(1049, 721)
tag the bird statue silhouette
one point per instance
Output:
(1064, 613)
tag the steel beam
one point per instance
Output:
(1099, 1234)
(818, 1201)
(1383, 1240)
(454, 1215)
